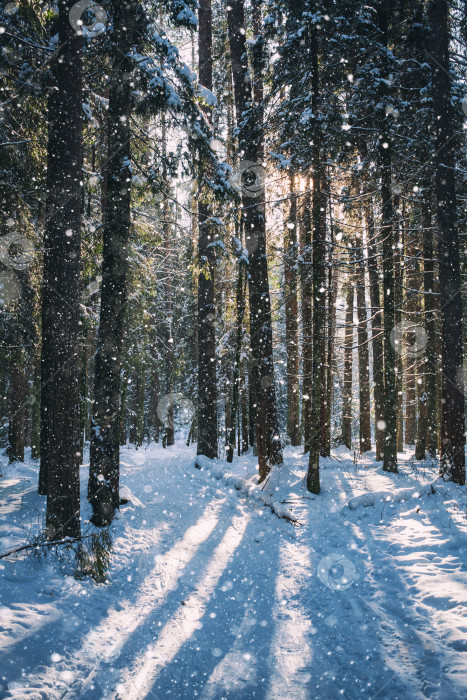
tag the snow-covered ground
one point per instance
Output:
(211, 595)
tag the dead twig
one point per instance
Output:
(36, 545)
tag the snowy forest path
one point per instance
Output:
(211, 595)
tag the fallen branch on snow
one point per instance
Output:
(36, 545)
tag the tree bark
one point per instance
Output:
(387, 234)
(376, 328)
(16, 406)
(330, 353)
(207, 381)
(347, 385)
(398, 298)
(235, 408)
(452, 457)
(154, 399)
(291, 320)
(244, 407)
(413, 309)
(307, 331)
(36, 411)
(60, 448)
(319, 274)
(250, 135)
(324, 448)
(103, 487)
(363, 357)
(431, 365)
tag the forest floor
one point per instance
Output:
(211, 595)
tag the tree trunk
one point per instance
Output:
(307, 331)
(251, 406)
(398, 298)
(17, 406)
(169, 356)
(347, 384)
(452, 457)
(234, 413)
(420, 445)
(323, 430)
(291, 320)
(133, 405)
(319, 275)
(122, 423)
(36, 411)
(103, 487)
(140, 403)
(60, 449)
(413, 309)
(387, 222)
(363, 357)
(431, 364)
(3, 389)
(207, 382)
(254, 224)
(244, 407)
(330, 351)
(154, 393)
(84, 373)
(376, 328)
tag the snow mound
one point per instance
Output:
(397, 496)
(129, 497)
(262, 493)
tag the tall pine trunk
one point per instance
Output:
(244, 407)
(169, 435)
(235, 408)
(376, 328)
(250, 137)
(60, 423)
(36, 411)
(431, 364)
(291, 320)
(413, 309)
(207, 383)
(330, 352)
(452, 457)
(387, 235)
(325, 443)
(363, 357)
(398, 298)
(103, 487)
(319, 275)
(306, 299)
(16, 406)
(347, 378)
